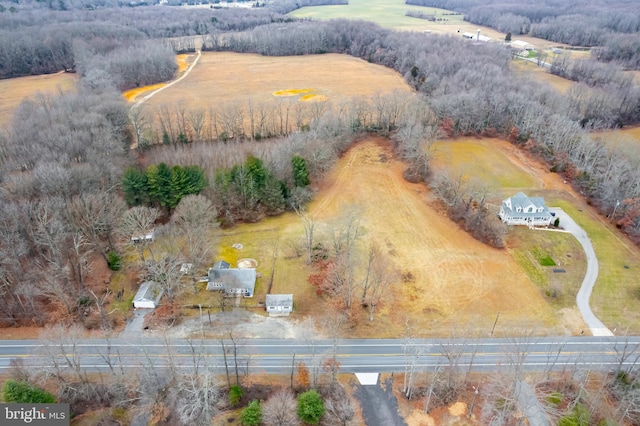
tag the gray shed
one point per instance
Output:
(279, 305)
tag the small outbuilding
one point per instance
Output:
(145, 237)
(279, 305)
(148, 295)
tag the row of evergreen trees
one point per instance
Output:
(161, 185)
(248, 190)
(244, 192)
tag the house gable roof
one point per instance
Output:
(521, 204)
(148, 291)
(232, 278)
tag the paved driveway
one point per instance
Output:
(379, 406)
(596, 327)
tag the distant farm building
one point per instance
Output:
(476, 37)
(523, 210)
(233, 281)
(279, 305)
(148, 295)
(521, 45)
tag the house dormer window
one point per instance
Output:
(518, 209)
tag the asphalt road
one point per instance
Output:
(596, 326)
(275, 356)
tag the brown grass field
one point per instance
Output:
(223, 78)
(541, 74)
(14, 90)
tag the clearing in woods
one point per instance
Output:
(14, 90)
(542, 74)
(241, 78)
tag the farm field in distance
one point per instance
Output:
(233, 78)
(14, 90)
(391, 14)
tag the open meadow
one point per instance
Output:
(234, 78)
(14, 90)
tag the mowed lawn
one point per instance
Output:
(14, 90)
(616, 295)
(479, 160)
(233, 78)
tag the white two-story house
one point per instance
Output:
(523, 210)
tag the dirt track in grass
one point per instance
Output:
(458, 282)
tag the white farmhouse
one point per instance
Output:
(523, 210)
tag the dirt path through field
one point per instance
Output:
(457, 281)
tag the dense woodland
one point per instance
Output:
(73, 192)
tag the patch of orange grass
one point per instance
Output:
(292, 92)
(182, 62)
(312, 97)
(132, 95)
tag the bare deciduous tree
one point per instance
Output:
(280, 409)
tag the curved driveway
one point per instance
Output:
(596, 326)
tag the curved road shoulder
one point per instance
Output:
(596, 326)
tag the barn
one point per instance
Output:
(521, 45)
(148, 295)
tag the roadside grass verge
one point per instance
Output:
(616, 297)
